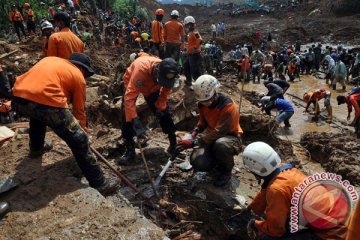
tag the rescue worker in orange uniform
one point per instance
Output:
(42, 94)
(351, 100)
(30, 20)
(313, 97)
(174, 36)
(64, 42)
(157, 34)
(276, 197)
(16, 18)
(354, 223)
(217, 134)
(153, 78)
(193, 61)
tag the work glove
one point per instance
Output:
(138, 127)
(251, 229)
(195, 132)
(184, 144)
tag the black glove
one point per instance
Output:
(138, 127)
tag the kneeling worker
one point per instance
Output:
(154, 78)
(274, 200)
(314, 96)
(218, 132)
(42, 94)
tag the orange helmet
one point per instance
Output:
(159, 11)
(26, 4)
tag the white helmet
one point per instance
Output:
(205, 87)
(261, 95)
(189, 19)
(260, 158)
(175, 13)
(133, 57)
(46, 25)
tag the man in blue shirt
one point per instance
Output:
(284, 108)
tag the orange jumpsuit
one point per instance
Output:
(353, 101)
(194, 42)
(62, 44)
(173, 31)
(138, 79)
(54, 82)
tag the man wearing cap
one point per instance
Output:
(314, 96)
(153, 78)
(63, 43)
(59, 81)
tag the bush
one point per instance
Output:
(129, 8)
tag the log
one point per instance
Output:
(8, 54)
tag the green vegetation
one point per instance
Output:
(129, 8)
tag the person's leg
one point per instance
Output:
(22, 28)
(187, 72)
(202, 159)
(176, 52)
(195, 65)
(127, 133)
(17, 30)
(224, 150)
(37, 133)
(328, 107)
(166, 122)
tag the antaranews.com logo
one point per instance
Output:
(322, 201)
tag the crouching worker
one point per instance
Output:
(218, 132)
(284, 107)
(275, 199)
(42, 94)
(154, 78)
(352, 99)
(313, 97)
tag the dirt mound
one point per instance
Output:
(337, 153)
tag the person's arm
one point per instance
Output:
(277, 211)
(161, 102)
(78, 101)
(52, 46)
(182, 36)
(258, 205)
(131, 94)
(355, 104)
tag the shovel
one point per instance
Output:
(165, 168)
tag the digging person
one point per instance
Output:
(42, 94)
(285, 109)
(313, 97)
(281, 82)
(274, 200)
(153, 78)
(352, 99)
(274, 90)
(217, 134)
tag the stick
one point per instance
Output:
(8, 54)
(147, 170)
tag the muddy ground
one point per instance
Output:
(53, 200)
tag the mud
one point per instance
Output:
(337, 153)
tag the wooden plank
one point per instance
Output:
(8, 54)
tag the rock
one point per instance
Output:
(91, 95)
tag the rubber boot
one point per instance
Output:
(172, 139)
(110, 186)
(46, 148)
(4, 208)
(330, 114)
(129, 154)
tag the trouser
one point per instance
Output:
(219, 155)
(284, 117)
(192, 67)
(317, 62)
(158, 50)
(213, 34)
(63, 123)
(338, 79)
(172, 50)
(30, 25)
(208, 65)
(18, 25)
(300, 235)
(166, 122)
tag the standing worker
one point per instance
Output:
(193, 61)
(63, 43)
(30, 20)
(340, 74)
(42, 94)
(157, 33)
(154, 78)
(16, 18)
(174, 36)
(218, 132)
(313, 97)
